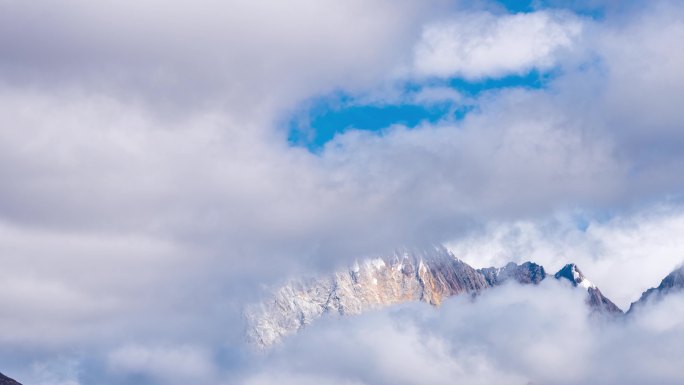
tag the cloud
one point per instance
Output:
(174, 365)
(482, 45)
(57, 371)
(148, 189)
(623, 255)
(227, 55)
(512, 335)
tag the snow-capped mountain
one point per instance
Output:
(596, 299)
(674, 282)
(408, 275)
(425, 275)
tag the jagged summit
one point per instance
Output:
(429, 275)
(596, 299)
(573, 274)
(673, 282)
(525, 273)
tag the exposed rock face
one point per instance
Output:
(526, 273)
(574, 275)
(601, 303)
(427, 275)
(4, 380)
(596, 299)
(674, 282)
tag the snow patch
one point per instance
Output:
(581, 281)
(378, 263)
(355, 267)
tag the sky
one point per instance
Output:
(163, 164)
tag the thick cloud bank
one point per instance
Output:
(149, 191)
(513, 335)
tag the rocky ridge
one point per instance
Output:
(428, 276)
(596, 299)
(408, 275)
(672, 283)
(526, 273)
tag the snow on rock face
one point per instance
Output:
(425, 275)
(596, 299)
(428, 276)
(573, 274)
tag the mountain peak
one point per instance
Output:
(673, 280)
(596, 299)
(428, 275)
(573, 274)
(525, 273)
(671, 283)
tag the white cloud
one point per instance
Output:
(511, 335)
(624, 256)
(482, 45)
(148, 190)
(171, 365)
(178, 56)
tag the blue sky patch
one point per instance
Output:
(515, 6)
(592, 9)
(323, 125)
(321, 119)
(531, 80)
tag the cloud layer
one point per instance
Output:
(624, 256)
(517, 335)
(149, 191)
